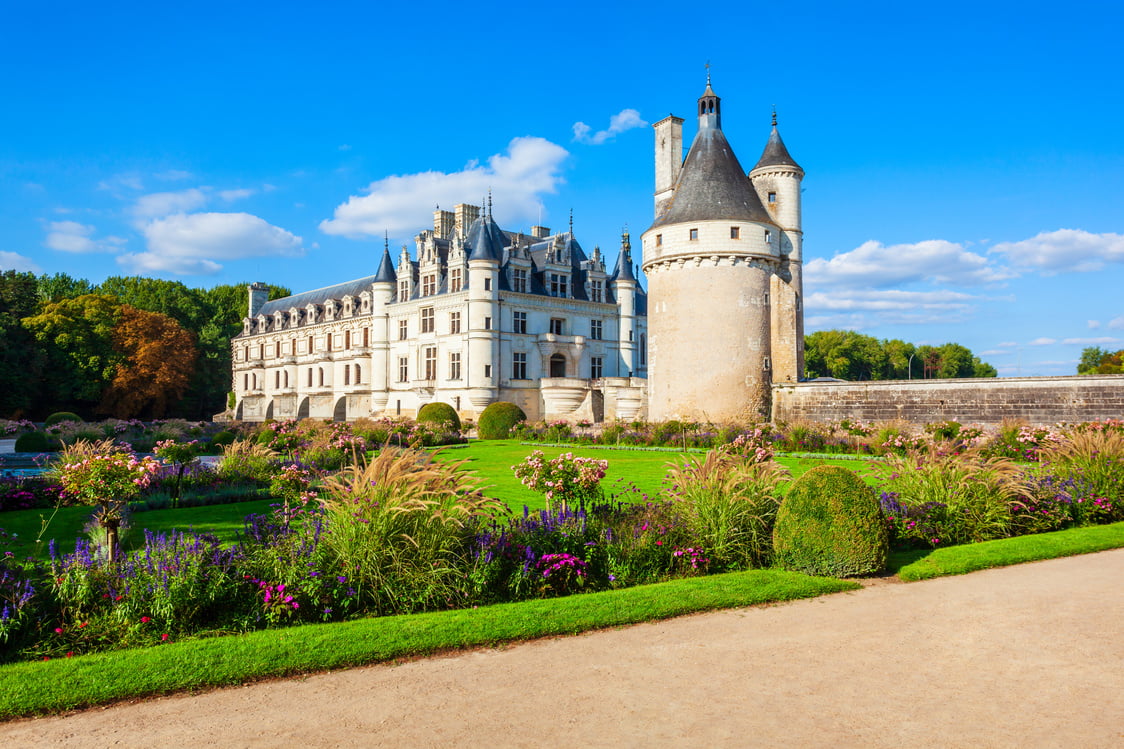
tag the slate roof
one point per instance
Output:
(485, 240)
(386, 272)
(775, 154)
(318, 296)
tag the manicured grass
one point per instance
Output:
(958, 560)
(34, 688)
(66, 525)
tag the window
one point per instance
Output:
(766, 299)
(455, 279)
(321, 376)
(347, 339)
(643, 350)
(429, 284)
(403, 369)
(772, 197)
(519, 322)
(595, 330)
(285, 379)
(559, 285)
(487, 323)
(346, 375)
(596, 364)
(358, 375)
(630, 334)
(430, 362)
(518, 366)
(487, 283)
(328, 342)
(427, 319)
(310, 376)
(245, 382)
(596, 291)
(403, 330)
(766, 364)
(277, 380)
(261, 350)
(659, 240)
(454, 322)
(768, 236)
(556, 325)
(310, 346)
(735, 232)
(694, 234)
(519, 281)
(366, 337)
(488, 370)
(455, 365)
(403, 290)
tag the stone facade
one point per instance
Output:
(480, 315)
(1038, 400)
(723, 263)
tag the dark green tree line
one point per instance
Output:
(853, 356)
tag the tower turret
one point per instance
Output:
(624, 286)
(484, 245)
(382, 295)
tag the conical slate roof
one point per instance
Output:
(623, 271)
(775, 153)
(712, 185)
(386, 272)
(485, 240)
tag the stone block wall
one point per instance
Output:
(1038, 400)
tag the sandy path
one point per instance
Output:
(1024, 656)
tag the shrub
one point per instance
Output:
(33, 442)
(498, 419)
(225, 437)
(831, 524)
(440, 414)
(60, 416)
(565, 480)
(730, 503)
(1094, 459)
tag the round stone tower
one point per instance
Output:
(716, 259)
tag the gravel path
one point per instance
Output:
(1024, 656)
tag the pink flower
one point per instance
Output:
(145, 620)
(164, 637)
(58, 630)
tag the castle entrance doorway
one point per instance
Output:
(557, 365)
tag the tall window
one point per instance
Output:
(488, 370)
(403, 369)
(427, 320)
(403, 290)
(643, 350)
(595, 330)
(559, 285)
(328, 342)
(454, 322)
(596, 364)
(431, 362)
(358, 374)
(487, 283)
(310, 376)
(455, 365)
(277, 380)
(519, 281)
(321, 376)
(556, 325)
(768, 236)
(346, 375)
(772, 197)
(347, 339)
(310, 347)
(366, 337)
(403, 330)
(245, 382)
(735, 232)
(596, 291)
(519, 322)
(518, 366)
(429, 284)
(487, 323)
(455, 283)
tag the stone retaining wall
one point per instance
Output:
(1038, 400)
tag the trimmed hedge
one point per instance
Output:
(439, 413)
(33, 442)
(498, 419)
(831, 523)
(61, 416)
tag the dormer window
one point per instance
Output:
(559, 285)
(403, 290)
(429, 284)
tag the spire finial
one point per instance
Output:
(386, 240)
(774, 115)
(489, 202)
(571, 222)
(708, 72)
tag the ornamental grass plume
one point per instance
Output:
(402, 524)
(1094, 458)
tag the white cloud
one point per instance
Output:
(232, 195)
(193, 244)
(13, 261)
(159, 204)
(890, 299)
(1042, 342)
(1116, 323)
(1007, 344)
(626, 119)
(1091, 341)
(173, 175)
(932, 260)
(402, 203)
(1064, 250)
(1094, 324)
(119, 182)
(71, 236)
(996, 352)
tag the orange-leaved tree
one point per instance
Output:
(159, 359)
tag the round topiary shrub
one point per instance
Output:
(60, 416)
(498, 419)
(831, 523)
(439, 413)
(225, 437)
(33, 442)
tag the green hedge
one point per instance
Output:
(439, 413)
(498, 419)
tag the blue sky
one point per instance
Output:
(965, 161)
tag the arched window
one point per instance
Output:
(245, 382)
(310, 376)
(286, 378)
(277, 379)
(358, 375)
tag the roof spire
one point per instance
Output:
(489, 202)
(571, 222)
(774, 115)
(386, 240)
(708, 73)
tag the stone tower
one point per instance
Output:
(723, 272)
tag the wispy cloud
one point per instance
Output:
(1116, 323)
(241, 194)
(159, 204)
(14, 261)
(1043, 342)
(193, 244)
(1064, 251)
(173, 175)
(1091, 341)
(71, 236)
(626, 119)
(402, 203)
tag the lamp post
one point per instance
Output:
(910, 366)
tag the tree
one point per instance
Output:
(77, 337)
(955, 361)
(21, 356)
(157, 359)
(1091, 358)
(61, 286)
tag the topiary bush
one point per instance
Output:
(33, 442)
(498, 419)
(440, 413)
(61, 416)
(831, 523)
